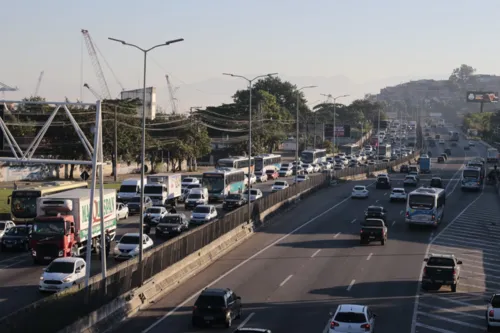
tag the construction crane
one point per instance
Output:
(97, 66)
(38, 84)
(95, 93)
(173, 99)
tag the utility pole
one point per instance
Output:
(314, 138)
(378, 136)
(115, 165)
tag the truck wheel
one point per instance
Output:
(454, 288)
(383, 241)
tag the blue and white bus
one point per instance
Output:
(471, 178)
(425, 206)
(267, 161)
(222, 182)
(313, 156)
(236, 162)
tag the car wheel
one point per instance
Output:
(454, 288)
(383, 241)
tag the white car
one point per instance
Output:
(398, 194)
(203, 214)
(187, 190)
(359, 191)
(316, 167)
(285, 172)
(128, 246)
(308, 168)
(253, 178)
(279, 185)
(121, 211)
(368, 148)
(188, 181)
(441, 142)
(339, 167)
(155, 213)
(352, 318)
(261, 176)
(4, 226)
(62, 273)
(493, 312)
(472, 144)
(254, 194)
(302, 178)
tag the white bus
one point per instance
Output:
(492, 155)
(236, 162)
(350, 149)
(313, 156)
(471, 178)
(267, 161)
(425, 206)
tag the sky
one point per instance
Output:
(350, 47)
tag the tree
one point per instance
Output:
(462, 75)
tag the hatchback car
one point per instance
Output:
(17, 238)
(398, 194)
(436, 182)
(62, 273)
(255, 194)
(360, 191)
(302, 178)
(128, 246)
(216, 306)
(352, 318)
(279, 185)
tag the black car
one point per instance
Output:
(376, 212)
(383, 182)
(233, 201)
(172, 225)
(466, 148)
(436, 182)
(373, 230)
(447, 151)
(445, 156)
(404, 168)
(135, 203)
(17, 238)
(216, 306)
(453, 144)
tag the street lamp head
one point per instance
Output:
(174, 41)
(117, 40)
(272, 74)
(347, 95)
(228, 74)
(310, 87)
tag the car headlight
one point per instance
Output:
(136, 249)
(117, 249)
(68, 279)
(41, 278)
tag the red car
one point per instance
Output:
(272, 174)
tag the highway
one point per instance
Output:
(19, 278)
(293, 272)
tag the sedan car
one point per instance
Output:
(17, 238)
(302, 178)
(172, 225)
(398, 194)
(62, 273)
(410, 180)
(360, 191)
(261, 176)
(316, 167)
(352, 318)
(308, 168)
(279, 185)
(121, 211)
(254, 194)
(233, 201)
(128, 246)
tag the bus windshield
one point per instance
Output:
(259, 164)
(24, 204)
(306, 157)
(214, 183)
(421, 201)
(470, 174)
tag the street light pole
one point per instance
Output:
(297, 134)
(329, 96)
(250, 83)
(143, 143)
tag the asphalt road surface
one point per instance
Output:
(19, 278)
(297, 269)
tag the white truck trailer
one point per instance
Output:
(164, 189)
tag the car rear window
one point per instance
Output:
(495, 302)
(436, 261)
(210, 300)
(372, 223)
(398, 191)
(374, 210)
(350, 317)
(359, 188)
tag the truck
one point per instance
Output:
(425, 164)
(492, 155)
(441, 270)
(61, 226)
(373, 230)
(164, 189)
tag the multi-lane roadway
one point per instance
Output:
(19, 278)
(294, 271)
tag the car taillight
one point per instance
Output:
(407, 214)
(433, 217)
(366, 327)
(425, 270)
(491, 313)
(334, 324)
(195, 308)
(454, 272)
(361, 231)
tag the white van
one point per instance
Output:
(129, 188)
(187, 190)
(197, 196)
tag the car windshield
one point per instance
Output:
(129, 239)
(437, 261)
(153, 211)
(418, 201)
(233, 197)
(60, 267)
(374, 210)
(128, 188)
(2, 225)
(209, 300)
(359, 188)
(136, 200)
(279, 183)
(202, 209)
(350, 317)
(188, 180)
(301, 176)
(173, 219)
(194, 196)
(252, 192)
(495, 301)
(17, 231)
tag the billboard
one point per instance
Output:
(150, 100)
(342, 131)
(482, 97)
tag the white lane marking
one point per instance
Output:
(419, 284)
(353, 221)
(435, 329)
(286, 280)
(431, 236)
(385, 193)
(401, 213)
(336, 235)
(315, 253)
(377, 201)
(453, 321)
(15, 257)
(244, 262)
(369, 256)
(327, 327)
(393, 223)
(247, 319)
(351, 284)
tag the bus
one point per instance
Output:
(23, 201)
(267, 161)
(222, 182)
(236, 162)
(384, 151)
(313, 156)
(350, 149)
(425, 206)
(471, 178)
(492, 155)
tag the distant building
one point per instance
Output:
(150, 100)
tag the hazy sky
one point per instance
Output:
(362, 40)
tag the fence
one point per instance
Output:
(60, 310)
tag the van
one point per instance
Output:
(128, 189)
(413, 168)
(187, 190)
(286, 166)
(197, 196)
